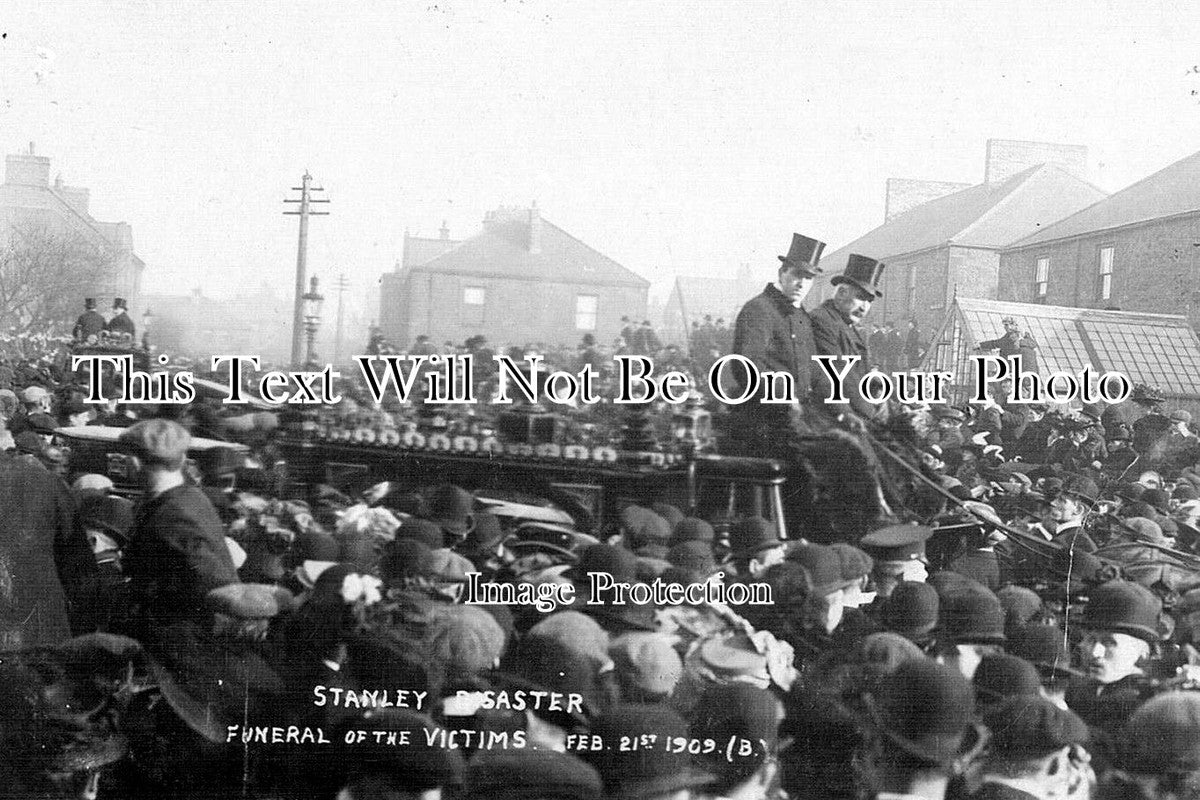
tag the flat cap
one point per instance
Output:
(249, 600)
(1032, 727)
(1163, 735)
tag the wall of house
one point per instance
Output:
(930, 297)
(1156, 268)
(513, 312)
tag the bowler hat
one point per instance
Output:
(1020, 604)
(119, 302)
(737, 712)
(1000, 676)
(804, 254)
(971, 614)
(862, 272)
(911, 610)
(1032, 727)
(1122, 606)
(545, 664)
(694, 557)
(650, 771)
(451, 507)
(528, 774)
(925, 708)
(1045, 646)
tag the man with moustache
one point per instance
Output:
(836, 331)
(774, 332)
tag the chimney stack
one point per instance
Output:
(26, 169)
(535, 229)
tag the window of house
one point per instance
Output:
(1041, 278)
(474, 299)
(911, 296)
(1106, 268)
(585, 311)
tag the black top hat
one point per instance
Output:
(805, 254)
(119, 302)
(89, 302)
(863, 272)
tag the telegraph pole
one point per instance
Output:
(340, 285)
(306, 199)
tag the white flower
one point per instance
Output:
(365, 588)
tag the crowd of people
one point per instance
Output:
(1029, 626)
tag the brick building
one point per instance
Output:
(1138, 250)
(950, 246)
(521, 279)
(28, 196)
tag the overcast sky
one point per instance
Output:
(675, 137)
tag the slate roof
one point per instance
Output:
(35, 200)
(502, 250)
(420, 250)
(1158, 349)
(1170, 191)
(989, 215)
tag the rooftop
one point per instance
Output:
(1172, 190)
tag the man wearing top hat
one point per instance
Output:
(836, 330)
(120, 323)
(774, 332)
(90, 323)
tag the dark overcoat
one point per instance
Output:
(833, 336)
(176, 555)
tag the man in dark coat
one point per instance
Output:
(914, 346)
(48, 575)
(121, 323)
(177, 551)
(836, 331)
(1013, 343)
(774, 332)
(90, 323)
